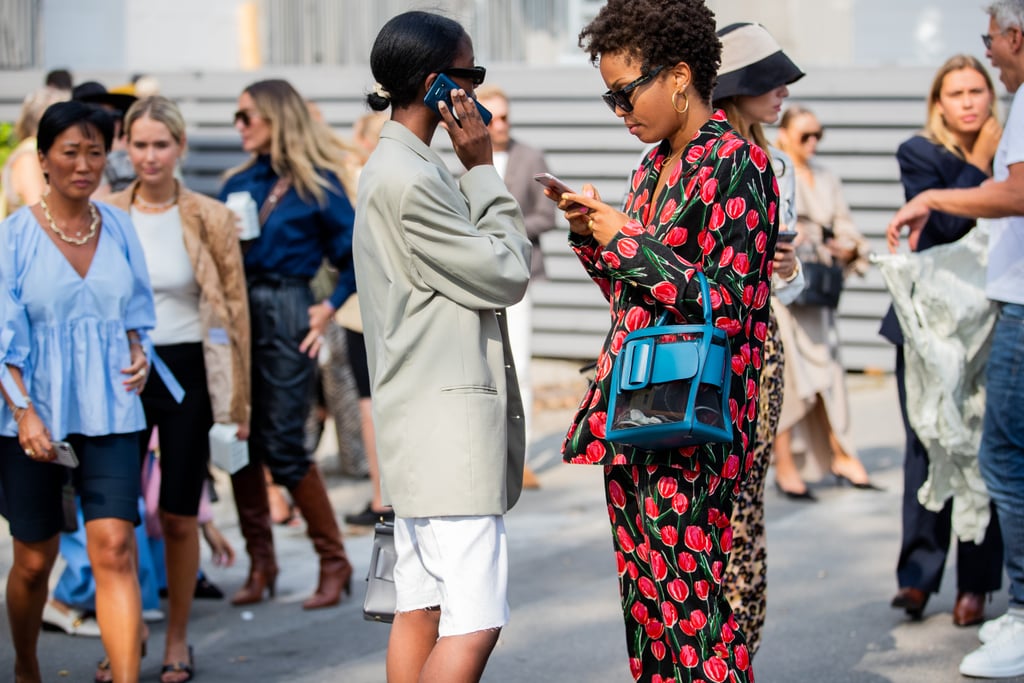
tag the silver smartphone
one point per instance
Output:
(551, 182)
(65, 454)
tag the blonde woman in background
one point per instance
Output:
(815, 415)
(202, 334)
(22, 176)
(296, 175)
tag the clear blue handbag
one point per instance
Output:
(670, 385)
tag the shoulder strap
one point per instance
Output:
(270, 203)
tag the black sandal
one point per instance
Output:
(180, 668)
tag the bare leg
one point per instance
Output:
(111, 544)
(181, 538)
(281, 510)
(370, 446)
(845, 464)
(460, 659)
(26, 595)
(787, 476)
(413, 637)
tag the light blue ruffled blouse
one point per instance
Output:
(68, 334)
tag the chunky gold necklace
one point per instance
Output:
(94, 224)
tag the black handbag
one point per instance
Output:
(381, 599)
(823, 285)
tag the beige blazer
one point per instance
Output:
(211, 241)
(437, 260)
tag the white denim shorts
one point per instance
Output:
(459, 563)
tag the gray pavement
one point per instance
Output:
(831, 575)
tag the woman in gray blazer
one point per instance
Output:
(437, 261)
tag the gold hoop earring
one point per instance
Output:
(675, 96)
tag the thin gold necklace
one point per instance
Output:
(155, 207)
(94, 224)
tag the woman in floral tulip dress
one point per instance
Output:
(702, 200)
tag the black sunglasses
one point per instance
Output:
(620, 98)
(474, 73)
(243, 117)
(816, 134)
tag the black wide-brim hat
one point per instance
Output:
(753, 63)
(95, 93)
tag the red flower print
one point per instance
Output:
(651, 508)
(692, 475)
(698, 619)
(716, 299)
(706, 242)
(695, 539)
(637, 318)
(742, 657)
(632, 570)
(617, 494)
(735, 206)
(620, 562)
(636, 668)
(641, 201)
(625, 541)
(632, 228)
(667, 487)
(669, 613)
(604, 367)
(647, 589)
(760, 331)
(659, 568)
(686, 627)
(716, 571)
(726, 258)
(695, 153)
(643, 551)
(674, 175)
(725, 540)
(761, 242)
(717, 219)
(638, 179)
(716, 669)
(772, 208)
(727, 635)
(678, 590)
(729, 147)
(687, 562)
(617, 340)
(708, 190)
(688, 656)
(639, 612)
(759, 158)
(739, 366)
(761, 297)
(729, 325)
(597, 397)
(669, 535)
(680, 503)
(655, 629)
(595, 452)
(665, 292)
(701, 589)
(669, 209)
(741, 264)
(627, 247)
(751, 388)
(596, 422)
(676, 236)
(753, 220)
(732, 467)
(659, 650)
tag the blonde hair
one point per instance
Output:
(489, 91)
(793, 111)
(300, 146)
(32, 108)
(752, 132)
(161, 110)
(935, 127)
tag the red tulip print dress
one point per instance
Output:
(670, 509)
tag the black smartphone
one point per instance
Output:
(827, 233)
(786, 236)
(440, 91)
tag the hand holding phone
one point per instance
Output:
(554, 184)
(65, 454)
(440, 91)
(786, 236)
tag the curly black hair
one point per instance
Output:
(658, 33)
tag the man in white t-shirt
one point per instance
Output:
(1001, 455)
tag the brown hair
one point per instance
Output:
(935, 127)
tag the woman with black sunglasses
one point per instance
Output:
(703, 200)
(295, 176)
(815, 416)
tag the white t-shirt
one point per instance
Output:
(175, 290)
(1006, 239)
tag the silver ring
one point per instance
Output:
(29, 452)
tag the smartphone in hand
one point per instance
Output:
(552, 183)
(440, 91)
(65, 454)
(786, 236)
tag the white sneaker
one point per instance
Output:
(73, 622)
(1002, 657)
(152, 615)
(991, 629)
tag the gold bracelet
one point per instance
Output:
(796, 271)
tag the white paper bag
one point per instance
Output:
(226, 451)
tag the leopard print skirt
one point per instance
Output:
(746, 573)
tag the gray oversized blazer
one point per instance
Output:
(437, 260)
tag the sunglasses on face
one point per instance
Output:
(816, 134)
(475, 74)
(620, 98)
(243, 117)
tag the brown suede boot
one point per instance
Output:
(310, 495)
(254, 521)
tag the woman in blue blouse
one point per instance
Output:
(75, 307)
(295, 177)
(955, 150)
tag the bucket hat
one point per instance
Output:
(753, 62)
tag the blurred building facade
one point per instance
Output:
(225, 35)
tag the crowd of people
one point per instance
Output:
(138, 315)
